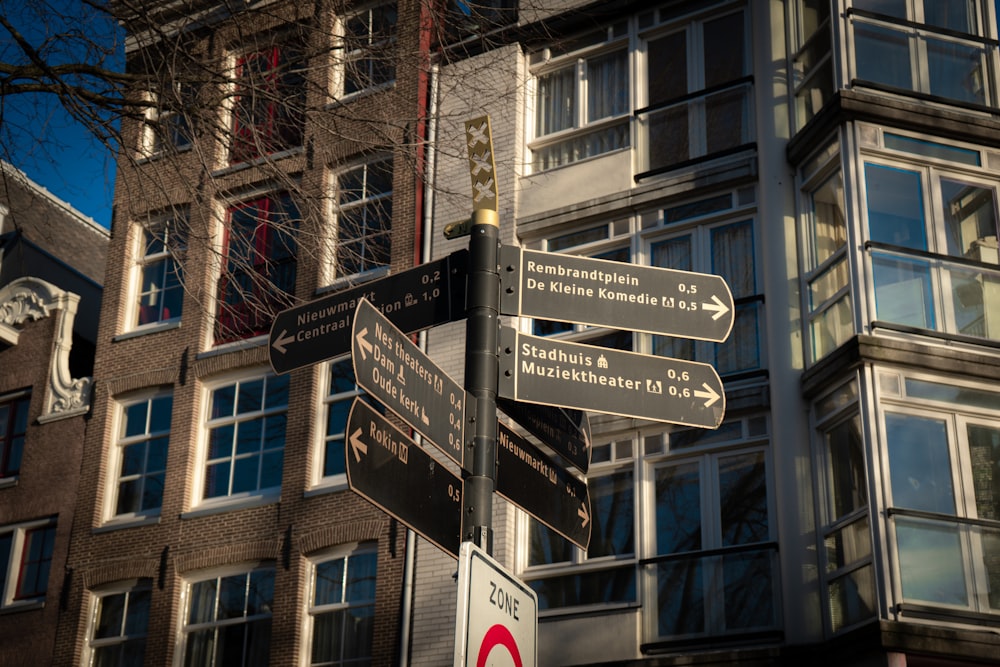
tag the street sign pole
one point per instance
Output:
(482, 334)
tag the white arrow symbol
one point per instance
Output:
(364, 344)
(709, 394)
(719, 307)
(583, 514)
(282, 341)
(357, 446)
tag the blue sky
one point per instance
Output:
(36, 134)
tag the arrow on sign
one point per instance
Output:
(363, 344)
(717, 306)
(357, 445)
(583, 514)
(708, 393)
(282, 340)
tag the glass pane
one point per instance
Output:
(959, 15)
(261, 592)
(848, 545)
(743, 499)
(334, 462)
(678, 509)
(328, 629)
(848, 488)
(159, 418)
(361, 578)
(201, 608)
(931, 565)
(733, 257)
(668, 136)
(137, 618)
(975, 301)
(852, 598)
(667, 54)
(991, 560)
(329, 582)
(232, 596)
(931, 149)
(956, 71)
(727, 119)
(919, 463)
(555, 105)
(612, 509)
(903, 291)
(248, 436)
(134, 420)
(748, 590)
(223, 401)
(828, 227)
(970, 217)
(607, 86)
(984, 450)
(723, 64)
(882, 55)
(741, 351)
(589, 588)
(895, 207)
(831, 327)
(894, 8)
(547, 546)
(110, 612)
(680, 597)
(828, 283)
(251, 396)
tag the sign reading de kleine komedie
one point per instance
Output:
(574, 375)
(600, 292)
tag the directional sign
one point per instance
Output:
(497, 614)
(566, 432)
(390, 470)
(395, 371)
(415, 299)
(572, 375)
(600, 292)
(532, 481)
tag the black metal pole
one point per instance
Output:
(481, 375)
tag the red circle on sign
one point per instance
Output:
(498, 635)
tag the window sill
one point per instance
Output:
(121, 523)
(147, 329)
(8, 482)
(256, 162)
(233, 346)
(326, 486)
(144, 158)
(358, 95)
(223, 505)
(353, 280)
(16, 607)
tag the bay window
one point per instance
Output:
(931, 48)
(932, 236)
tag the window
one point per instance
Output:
(924, 46)
(141, 455)
(847, 567)
(246, 437)
(464, 18)
(13, 428)
(342, 608)
(715, 550)
(582, 105)
(942, 457)
(25, 560)
(703, 107)
(688, 100)
(119, 626)
(364, 217)
(369, 44)
(160, 281)
(605, 574)
(227, 619)
(342, 389)
(269, 104)
(812, 63)
(826, 273)
(932, 232)
(258, 276)
(168, 126)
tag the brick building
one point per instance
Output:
(51, 267)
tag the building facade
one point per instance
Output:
(51, 267)
(835, 161)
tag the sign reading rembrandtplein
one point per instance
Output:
(390, 470)
(415, 299)
(600, 292)
(396, 372)
(573, 375)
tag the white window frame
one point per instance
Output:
(157, 120)
(242, 499)
(12, 569)
(115, 456)
(956, 418)
(10, 400)
(162, 224)
(334, 270)
(183, 611)
(351, 54)
(327, 400)
(97, 596)
(342, 552)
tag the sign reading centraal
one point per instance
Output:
(415, 299)
(395, 371)
(600, 292)
(532, 481)
(497, 614)
(573, 375)
(391, 471)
